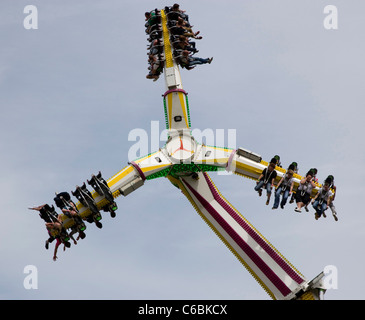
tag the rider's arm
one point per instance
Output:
(315, 197)
(291, 187)
(55, 250)
(334, 193)
(272, 181)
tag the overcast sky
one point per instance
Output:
(72, 91)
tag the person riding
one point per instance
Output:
(53, 226)
(322, 200)
(189, 62)
(68, 207)
(174, 12)
(285, 187)
(314, 172)
(64, 202)
(333, 187)
(155, 67)
(50, 217)
(151, 18)
(294, 167)
(57, 226)
(266, 179)
(304, 191)
(183, 43)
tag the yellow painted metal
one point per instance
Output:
(166, 41)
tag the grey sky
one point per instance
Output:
(71, 91)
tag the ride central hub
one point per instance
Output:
(181, 148)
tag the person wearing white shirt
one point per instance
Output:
(284, 186)
(322, 200)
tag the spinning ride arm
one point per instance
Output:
(265, 263)
(130, 178)
(241, 162)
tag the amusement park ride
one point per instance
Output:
(186, 163)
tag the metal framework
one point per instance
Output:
(186, 163)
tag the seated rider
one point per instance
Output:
(313, 172)
(181, 29)
(189, 62)
(174, 12)
(294, 167)
(183, 43)
(266, 179)
(176, 8)
(53, 226)
(49, 216)
(68, 207)
(155, 67)
(151, 19)
(322, 200)
(57, 226)
(64, 202)
(304, 191)
(284, 186)
(331, 181)
(47, 213)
